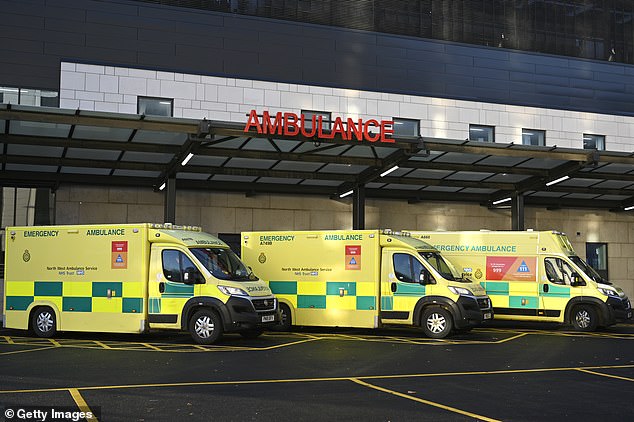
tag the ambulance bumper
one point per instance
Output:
(248, 313)
(473, 311)
(619, 309)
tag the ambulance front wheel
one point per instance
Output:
(286, 320)
(436, 322)
(205, 326)
(584, 318)
(43, 322)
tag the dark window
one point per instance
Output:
(308, 118)
(533, 137)
(407, 268)
(597, 257)
(233, 240)
(175, 266)
(481, 133)
(406, 127)
(593, 142)
(151, 106)
(28, 96)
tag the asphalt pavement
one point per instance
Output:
(500, 372)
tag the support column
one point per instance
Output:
(170, 200)
(517, 212)
(358, 208)
(42, 215)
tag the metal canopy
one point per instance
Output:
(46, 147)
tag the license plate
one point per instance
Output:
(268, 318)
(487, 315)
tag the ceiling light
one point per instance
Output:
(386, 172)
(631, 207)
(186, 160)
(501, 201)
(343, 195)
(561, 179)
(162, 186)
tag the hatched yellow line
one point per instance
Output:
(605, 375)
(8, 339)
(427, 402)
(81, 403)
(29, 350)
(54, 342)
(105, 346)
(300, 380)
(151, 346)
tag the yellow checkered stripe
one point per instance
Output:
(348, 295)
(76, 296)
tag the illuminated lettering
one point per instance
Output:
(291, 124)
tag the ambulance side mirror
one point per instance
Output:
(576, 280)
(192, 276)
(426, 278)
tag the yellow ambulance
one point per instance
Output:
(129, 278)
(364, 279)
(533, 276)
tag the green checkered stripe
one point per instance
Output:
(289, 288)
(172, 291)
(54, 289)
(501, 288)
(403, 290)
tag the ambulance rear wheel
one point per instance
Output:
(436, 322)
(584, 318)
(286, 320)
(205, 326)
(43, 322)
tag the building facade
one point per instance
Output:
(219, 60)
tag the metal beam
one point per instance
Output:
(170, 200)
(358, 208)
(517, 212)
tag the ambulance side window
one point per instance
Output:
(406, 268)
(557, 270)
(175, 264)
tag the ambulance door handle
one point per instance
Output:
(393, 287)
(162, 287)
(545, 288)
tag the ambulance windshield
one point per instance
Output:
(588, 270)
(442, 266)
(223, 264)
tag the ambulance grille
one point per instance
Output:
(484, 303)
(264, 304)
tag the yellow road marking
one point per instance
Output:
(81, 403)
(300, 380)
(186, 348)
(605, 375)
(105, 346)
(427, 402)
(27, 351)
(151, 346)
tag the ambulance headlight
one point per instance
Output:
(460, 291)
(608, 292)
(232, 291)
